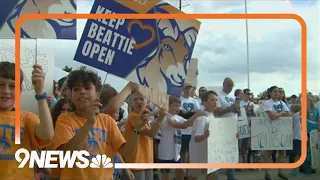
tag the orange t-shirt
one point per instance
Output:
(144, 153)
(9, 166)
(104, 138)
(55, 172)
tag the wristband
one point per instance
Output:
(138, 132)
(41, 97)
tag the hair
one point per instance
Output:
(173, 99)
(296, 108)
(108, 92)
(246, 90)
(84, 76)
(8, 71)
(61, 81)
(284, 95)
(237, 92)
(205, 96)
(270, 90)
(57, 109)
(310, 101)
(294, 96)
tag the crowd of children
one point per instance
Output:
(84, 114)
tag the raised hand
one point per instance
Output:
(143, 119)
(93, 110)
(37, 79)
(133, 86)
(207, 133)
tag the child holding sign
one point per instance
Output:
(36, 132)
(200, 134)
(88, 129)
(171, 137)
(144, 151)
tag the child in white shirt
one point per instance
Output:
(200, 134)
(171, 137)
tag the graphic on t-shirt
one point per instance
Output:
(229, 100)
(6, 139)
(4, 146)
(278, 107)
(92, 146)
(189, 107)
(178, 137)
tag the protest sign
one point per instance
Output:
(269, 134)
(152, 52)
(243, 125)
(192, 76)
(222, 143)
(315, 149)
(5, 9)
(261, 104)
(40, 28)
(45, 59)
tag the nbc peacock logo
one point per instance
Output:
(101, 160)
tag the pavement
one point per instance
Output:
(259, 175)
(256, 174)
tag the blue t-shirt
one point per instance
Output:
(312, 116)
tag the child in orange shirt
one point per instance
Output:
(87, 129)
(144, 153)
(35, 132)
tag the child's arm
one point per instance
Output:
(155, 126)
(200, 133)
(187, 123)
(78, 141)
(202, 137)
(117, 101)
(129, 173)
(137, 122)
(45, 129)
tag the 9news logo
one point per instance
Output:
(65, 159)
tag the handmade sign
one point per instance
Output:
(45, 59)
(315, 149)
(154, 53)
(222, 144)
(243, 125)
(261, 105)
(41, 28)
(192, 76)
(269, 134)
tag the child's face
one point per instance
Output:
(7, 94)
(139, 103)
(66, 108)
(83, 95)
(211, 103)
(116, 115)
(174, 108)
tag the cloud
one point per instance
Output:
(275, 52)
(275, 46)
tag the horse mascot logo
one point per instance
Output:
(165, 68)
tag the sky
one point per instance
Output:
(274, 45)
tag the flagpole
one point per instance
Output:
(180, 4)
(247, 42)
